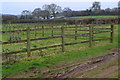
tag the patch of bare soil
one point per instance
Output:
(72, 69)
(108, 72)
(94, 63)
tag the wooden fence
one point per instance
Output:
(91, 29)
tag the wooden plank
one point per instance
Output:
(53, 37)
(43, 31)
(82, 35)
(100, 32)
(12, 31)
(101, 39)
(35, 32)
(55, 46)
(46, 47)
(96, 25)
(101, 28)
(46, 38)
(40, 29)
(86, 41)
(76, 43)
(112, 34)
(56, 34)
(92, 32)
(52, 33)
(32, 40)
(90, 35)
(14, 42)
(15, 52)
(76, 32)
(77, 26)
(28, 42)
(62, 40)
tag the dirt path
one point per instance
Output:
(75, 69)
(108, 72)
(94, 63)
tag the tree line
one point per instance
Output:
(51, 11)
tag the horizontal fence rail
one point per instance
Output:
(91, 30)
(32, 40)
(55, 46)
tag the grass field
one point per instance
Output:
(56, 56)
(47, 33)
(93, 17)
(34, 35)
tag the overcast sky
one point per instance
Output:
(16, 7)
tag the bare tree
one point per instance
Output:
(96, 6)
(26, 14)
(44, 14)
(67, 12)
(52, 9)
(67, 9)
(36, 12)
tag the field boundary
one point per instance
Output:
(90, 34)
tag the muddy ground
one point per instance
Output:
(78, 70)
(94, 63)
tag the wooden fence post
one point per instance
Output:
(76, 32)
(93, 31)
(28, 42)
(52, 31)
(90, 35)
(42, 30)
(112, 33)
(62, 36)
(35, 31)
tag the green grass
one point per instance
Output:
(72, 53)
(41, 43)
(41, 62)
(93, 17)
